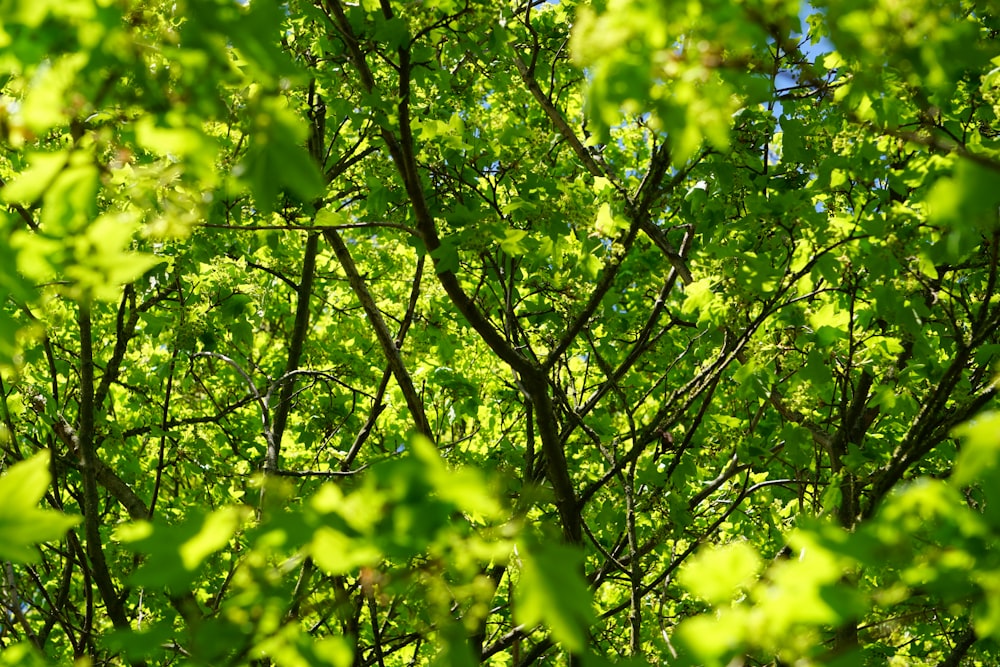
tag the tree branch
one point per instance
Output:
(299, 331)
(89, 470)
(385, 338)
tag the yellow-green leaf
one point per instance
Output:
(22, 523)
(717, 574)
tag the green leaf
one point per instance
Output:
(9, 328)
(177, 551)
(792, 140)
(552, 592)
(278, 160)
(968, 199)
(980, 452)
(466, 488)
(393, 32)
(607, 223)
(446, 256)
(830, 324)
(22, 523)
(24, 484)
(698, 296)
(986, 614)
(171, 141)
(103, 260)
(512, 242)
(454, 650)
(710, 638)
(71, 199)
(22, 654)
(337, 554)
(717, 574)
(33, 182)
(214, 534)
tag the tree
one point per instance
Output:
(458, 332)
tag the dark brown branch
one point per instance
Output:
(961, 648)
(12, 603)
(265, 413)
(59, 604)
(636, 570)
(914, 443)
(299, 331)
(649, 189)
(535, 386)
(600, 289)
(124, 330)
(189, 421)
(641, 344)
(89, 470)
(378, 407)
(162, 449)
(385, 338)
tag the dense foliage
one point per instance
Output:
(460, 331)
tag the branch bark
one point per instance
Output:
(299, 331)
(89, 470)
(385, 337)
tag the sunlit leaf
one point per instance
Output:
(718, 574)
(337, 554)
(175, 552)
(32, 183)
(980, 451)
(22, 523)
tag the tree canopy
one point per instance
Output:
(453, 332)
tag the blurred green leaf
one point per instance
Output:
(22, 523)
(277, 159)
(717, 574)
(22, 654)
(551, 592)
(175, 552)
(980, 452)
